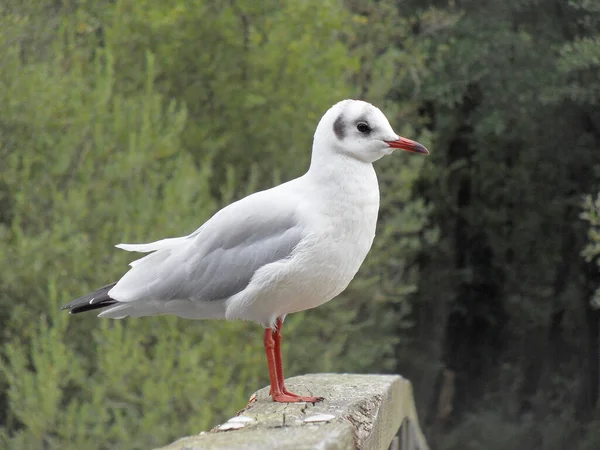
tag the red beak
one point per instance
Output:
(408, 145)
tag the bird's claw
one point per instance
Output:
(288, 397)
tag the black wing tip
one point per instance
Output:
(84, 308)
(83, 304)
(68, 305)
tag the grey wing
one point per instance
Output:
(233, 257)
(218, 260)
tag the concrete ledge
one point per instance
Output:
(359, 412)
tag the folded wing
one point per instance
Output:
(210, 265)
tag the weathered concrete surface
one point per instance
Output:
(368, 411)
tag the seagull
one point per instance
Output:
(275, 252)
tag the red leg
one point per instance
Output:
(278, 360)
(280, 393)
(276, 393)
(269, 350)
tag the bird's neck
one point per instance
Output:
(341, 174)
(346, 190)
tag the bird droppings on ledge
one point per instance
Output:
(242, 419)
(319, 418)
(235, 423)
(227, 426)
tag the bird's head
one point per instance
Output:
(360, 130)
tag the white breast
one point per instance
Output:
(348, 226)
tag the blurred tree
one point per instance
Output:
(135, 120)
(591, 252)
(580, 57)
(251, 78)
(503, 291)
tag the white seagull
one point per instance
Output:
(275, 252)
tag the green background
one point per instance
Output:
(134, 120)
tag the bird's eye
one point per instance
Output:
(363, 127)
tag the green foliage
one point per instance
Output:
(248, 72)
(591, 252)
(136, 120)
(146, 385)
(133, 121)
(491, 431)
(580, 59)
(510, 95)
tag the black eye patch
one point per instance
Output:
(338, 127)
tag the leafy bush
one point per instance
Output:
(132, 121)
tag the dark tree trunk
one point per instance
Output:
(588, 396)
